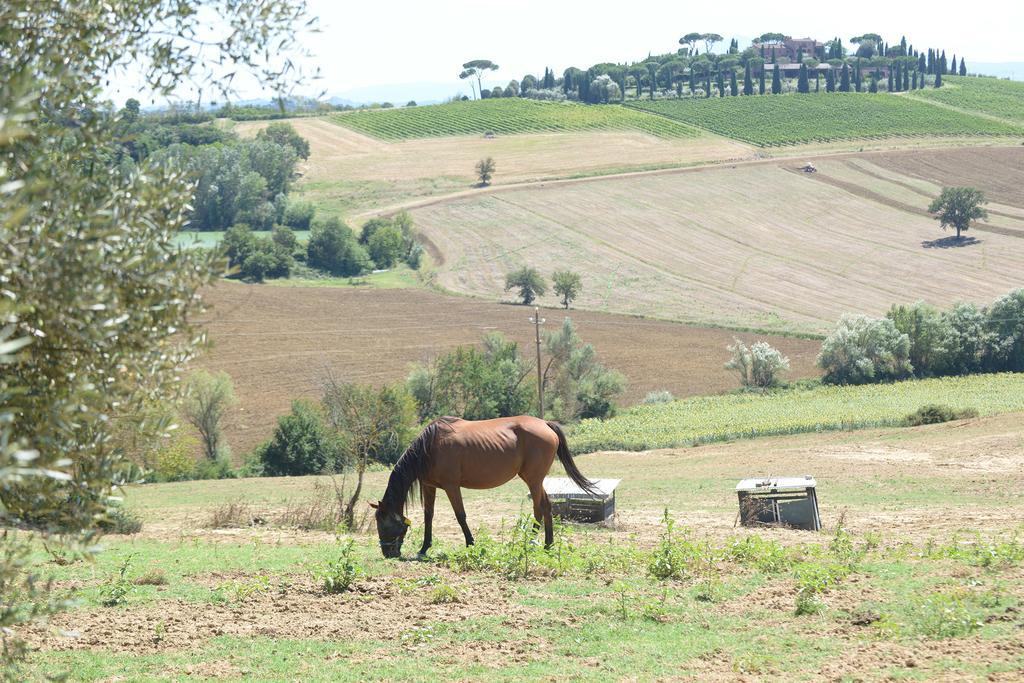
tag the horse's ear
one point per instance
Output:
(374, 505)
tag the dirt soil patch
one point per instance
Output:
(998, 171)
(276, 341)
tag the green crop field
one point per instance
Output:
(796, 119)
(823, 408)
(995, 97)
(510, 116)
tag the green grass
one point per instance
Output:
(822, 408)
(510, 116)
(400, 277)
(991, 96)
(209, 240)
(796, 119)
(598, 620)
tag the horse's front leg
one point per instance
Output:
(428, 517)
(455, 497)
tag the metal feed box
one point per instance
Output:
(569, 501)
(782, 501)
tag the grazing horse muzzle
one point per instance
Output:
(392, 549)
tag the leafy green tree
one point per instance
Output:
(690, 40)
(299, 215)
(956, 207)
(529, 283)
(303, 443)
(284, 238)
(929, 334)
(474, 383)
(638, 72)
(332, 247)
(862, 349)
(374, 424)
(478, 68)
(1005, 327)
(567, 286)
(758, 365)
(386, 246)
(286, 136)
(485, 170)
(576, 385)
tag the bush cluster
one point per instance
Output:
(923, 341)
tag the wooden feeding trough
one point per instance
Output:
(569, 501)
(779, 501)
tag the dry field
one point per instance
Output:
(350, 172)
(924, 581)
(276, 341)
(745, 245)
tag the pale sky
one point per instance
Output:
(409, 41)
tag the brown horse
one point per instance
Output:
(452, 453)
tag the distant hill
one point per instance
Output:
(1013, 70)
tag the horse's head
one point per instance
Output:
(392, 526)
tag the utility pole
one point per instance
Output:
(537, 322)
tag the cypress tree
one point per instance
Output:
(906, 78)
(830, 81)
(760, 82)
(943, 64)
(707, 84)
(889, 87)
(903, 45)
(930, 64)
(922, 64)
(748, 84)
(817, 81)
(952, 68)
(801, 84)
(873, 85)
(914, 81)
(733, 88)
(858, 80)
(844, 79)
(720, 82)
(963, 67)
(938, 78)
(776, 81)
(693, 80)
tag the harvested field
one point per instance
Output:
(350, 172)
(999, 171)
(275, 342)
(747, 245)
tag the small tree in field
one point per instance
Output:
(485, 171)
(209, 396)
(956, 207)
(567, 285)
(370, 423)
(758, 365)
(529, 283)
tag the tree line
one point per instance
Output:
(690, 72)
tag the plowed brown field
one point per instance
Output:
(276, 342)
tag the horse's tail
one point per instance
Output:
(565, 457)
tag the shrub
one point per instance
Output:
(302, 444)
(655, 397)
(116, 590)
(299, 215)
(863, 349)
(758, 365)
(333, 248)
(176, 460)
(285, 239)
(444, 595)
(120, 520)
(336, 576)
(576, 385)
(218, 468)
(933, 414)
(154, 577)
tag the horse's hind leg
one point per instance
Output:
(542, 512)
(428, 493)
(455, 497)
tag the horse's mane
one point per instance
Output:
(412, 466)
